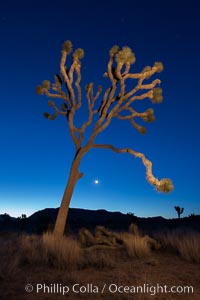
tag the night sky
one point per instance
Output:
(36, 153)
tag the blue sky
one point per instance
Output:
(36, 153)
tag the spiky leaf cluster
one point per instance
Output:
(125, 56)
(165, 185)
(46, 84)
(149, 117)
(78, 53)
(157, 95)
(39, 90)
(114, 50)
(48, 116)
(142, 130)
(159, 66)
(146, 69)
(51, 103)
(67, 46)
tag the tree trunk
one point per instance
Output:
(64, 207)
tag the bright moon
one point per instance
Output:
(96, 181)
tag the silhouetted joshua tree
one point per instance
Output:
(23, 216)
(115, 103)
(179, 210)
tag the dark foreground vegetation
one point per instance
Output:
(92, 257)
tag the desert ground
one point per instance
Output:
(102, 264)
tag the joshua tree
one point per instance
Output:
(116, 102)
(23, 216)
(179, 210)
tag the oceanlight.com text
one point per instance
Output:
(112, 288)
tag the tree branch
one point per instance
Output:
(58, 96)
(77, 84)
(71, 72)
(164, 184)
(115, 100)
(133, 114)
(72, 129)
(65, 76)
(125, 98)
(149, 95)
(89, 94)
(151, 85)
(144, 74)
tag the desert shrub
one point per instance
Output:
(61, 252)
(86, 238)
(185, 243)
(103, 236)
(135, 245)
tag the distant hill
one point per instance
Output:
(43, 220)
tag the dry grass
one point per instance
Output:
(186, 243)
(136, 246)
(48, 259)
(9, 249)
(62, 253)
(66, 253)
(98, 257)
(31, 249)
